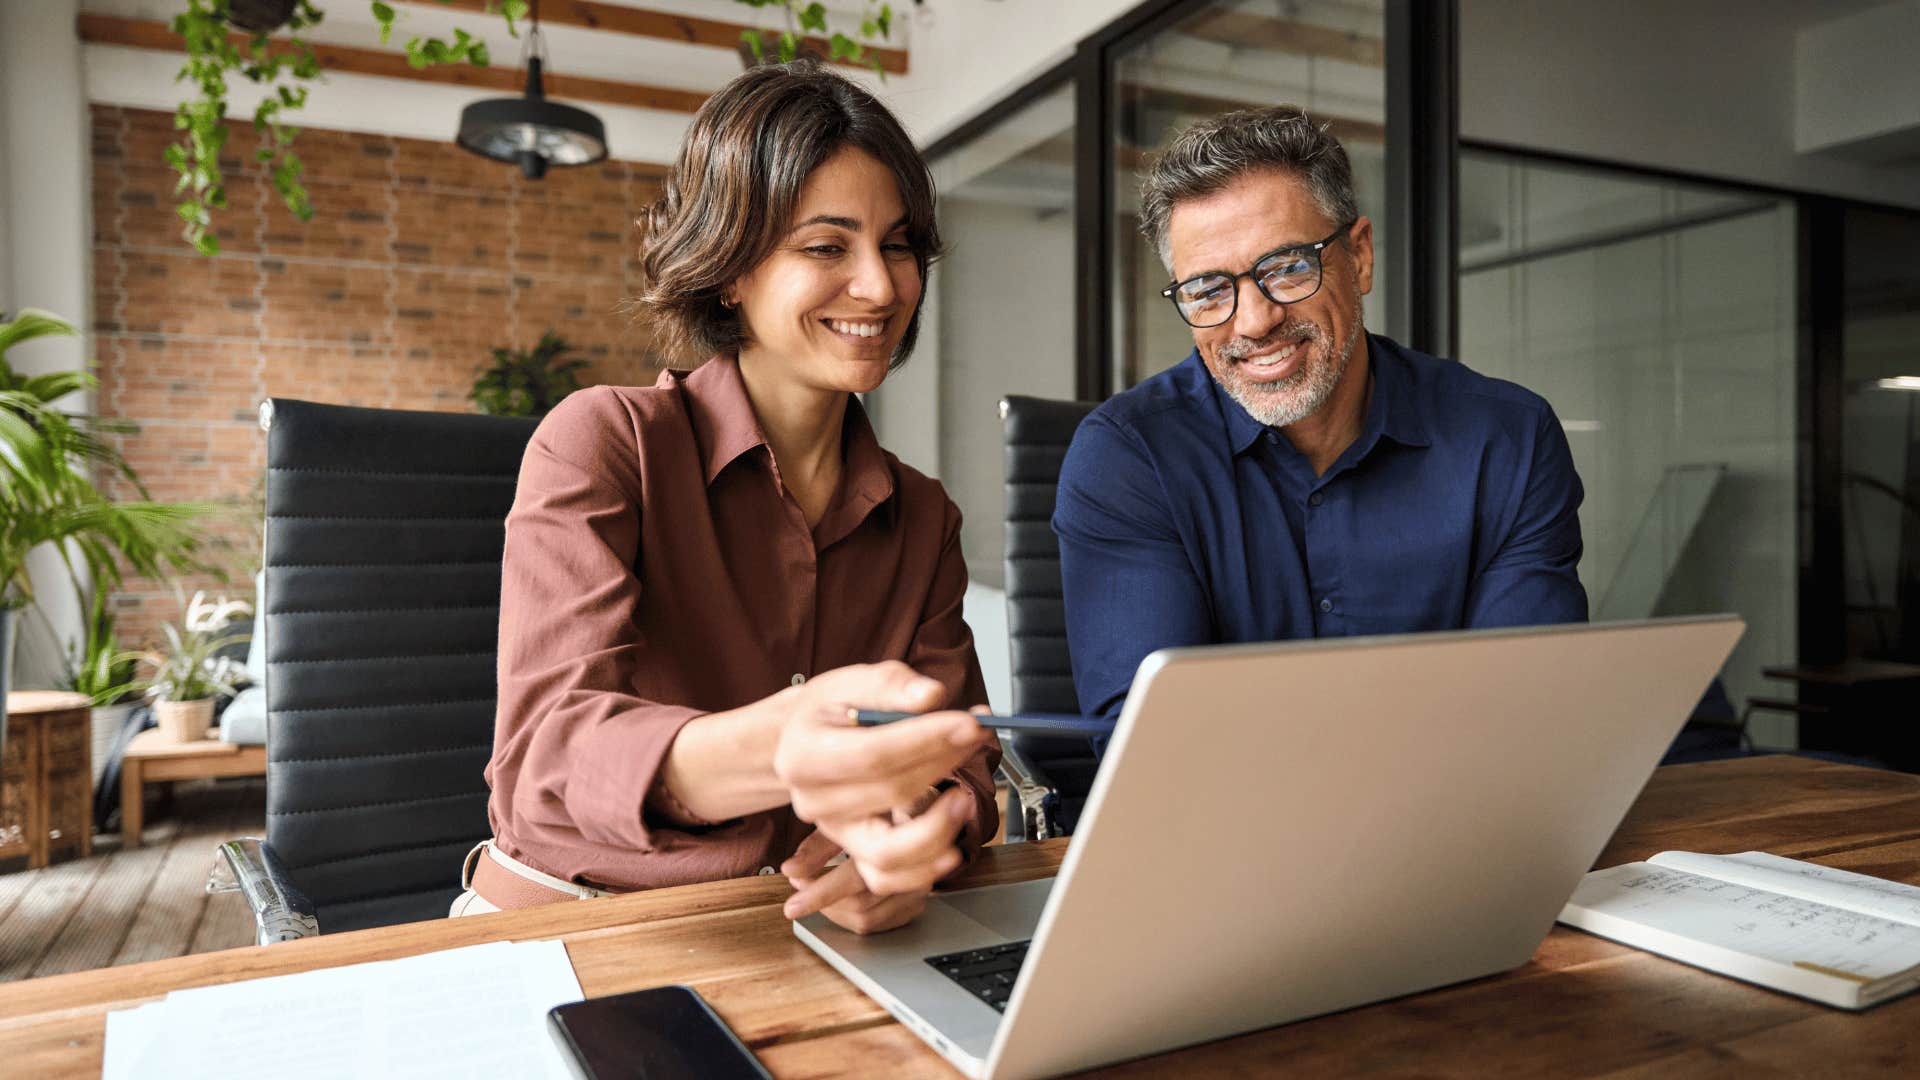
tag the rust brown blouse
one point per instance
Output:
(655, 570)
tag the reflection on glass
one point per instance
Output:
(1658, 319)
(1880, 427)
(1326, 56)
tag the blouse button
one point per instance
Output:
(766, 871)
(798, 678)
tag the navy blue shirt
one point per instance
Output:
(1184, 521)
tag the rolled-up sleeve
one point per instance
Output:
(582, 748)
(943, 649)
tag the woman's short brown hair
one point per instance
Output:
(730, 196)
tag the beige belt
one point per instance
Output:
(507, 883)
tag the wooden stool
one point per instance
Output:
(46, 781)
(151, 758)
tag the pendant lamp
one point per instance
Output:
(529, 130)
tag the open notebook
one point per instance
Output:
(1837, 937)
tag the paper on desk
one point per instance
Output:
(476, 1011)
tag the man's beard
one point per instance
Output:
(1297, 396)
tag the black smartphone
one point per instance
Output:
(666, 1033)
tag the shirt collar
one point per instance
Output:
(1392, 412)
(726, 428)
(723, 419)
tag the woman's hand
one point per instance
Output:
(916, 852)
(839, 775)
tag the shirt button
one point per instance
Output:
(1273, 438)
(1316, 499)
(767, 871)
(798, 678)
(1326, 606)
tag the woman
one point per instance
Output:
(699, 575)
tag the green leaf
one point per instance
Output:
(751, 39)
(383, 14)
(842, 47)
(513, 10)
(789, 46)
(477, 55)
(885, 19)
(814, 17)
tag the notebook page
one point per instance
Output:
(1785, 930)
(1808, 881)
(473, 1011)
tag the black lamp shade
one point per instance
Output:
(531, 131)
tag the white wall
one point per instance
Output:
(1011, 278)
(1857, 85)
(1704, 87)
(45, 244)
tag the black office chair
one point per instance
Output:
(381, 613)
(1048, 777)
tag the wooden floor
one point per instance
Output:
(122, 907)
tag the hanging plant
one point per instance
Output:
(216, 50)
(809, 16)
(224, 38)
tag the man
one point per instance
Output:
(1295, 476)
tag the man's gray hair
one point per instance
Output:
(1213, 153)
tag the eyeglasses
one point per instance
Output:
(1285, 276)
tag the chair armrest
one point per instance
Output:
(281, 912)
(1033, 794)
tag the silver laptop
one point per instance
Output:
(1280, 831)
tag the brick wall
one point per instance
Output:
(420, 259)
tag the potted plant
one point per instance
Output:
(47, 458)
(192, 673)
(109, 676)
(527, 382)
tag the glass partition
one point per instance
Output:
(1000, 311)
(1659, 320)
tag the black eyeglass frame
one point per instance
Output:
(1314, 249)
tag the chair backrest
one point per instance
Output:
(384, 535)
(1036, 432)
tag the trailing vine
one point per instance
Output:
(810, 16)
(218, 47)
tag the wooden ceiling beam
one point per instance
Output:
(144, 34)
(1134, 95)
(667, 26)
(1282, 35)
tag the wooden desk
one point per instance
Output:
(1865, 708)
(1583, 1006)
(1846, 674)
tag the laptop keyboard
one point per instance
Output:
(988, 973)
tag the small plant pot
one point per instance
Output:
(184, 721)
(259, 15)
(107, 722)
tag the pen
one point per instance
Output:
(1036, 723)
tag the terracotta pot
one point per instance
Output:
(184, 721)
